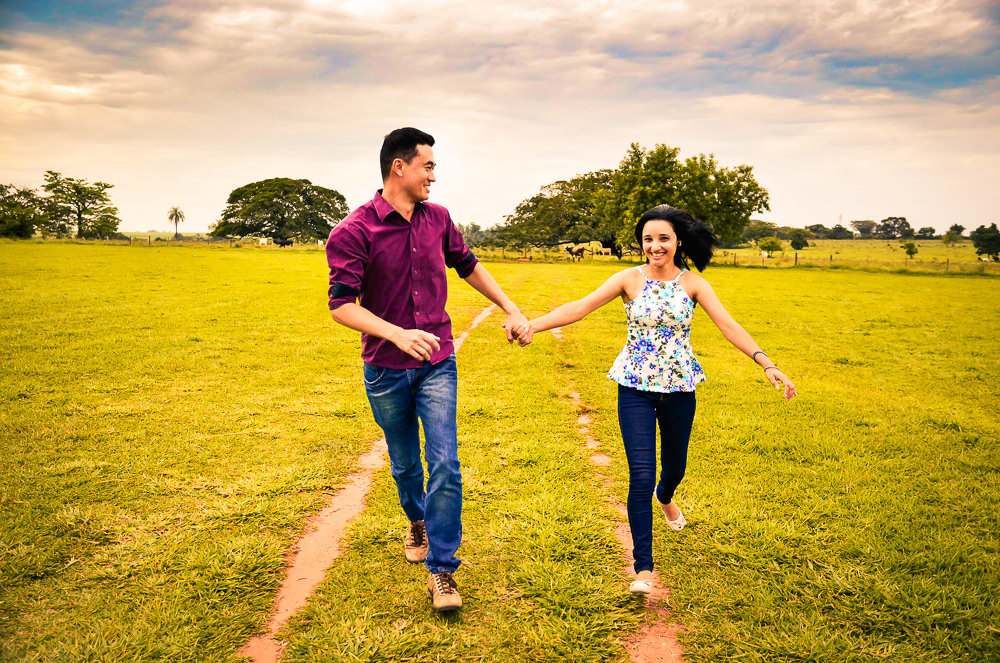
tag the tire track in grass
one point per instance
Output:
(315, 551)
(656, 642)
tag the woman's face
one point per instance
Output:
(659, 243)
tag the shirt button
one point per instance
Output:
(416, 292)
(418, 312)
(414, 249)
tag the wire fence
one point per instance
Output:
(729, 258)
(747, 258)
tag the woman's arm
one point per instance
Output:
(699, 290)
(574, 311)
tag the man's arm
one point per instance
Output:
(415, 342)
(517, 325)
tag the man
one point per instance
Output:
(391, 254)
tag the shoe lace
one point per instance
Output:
(417, 534)
(445, 583)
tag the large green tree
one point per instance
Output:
(839, 232)
(724, 198)
(757, 230)
(74, 203)
(819, 231)
(537, 221)
(987, 241)
(564, 211)
(865, 227)
(894, 227)
(21, 212)
(281, 208)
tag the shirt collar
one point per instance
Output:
(384, 208)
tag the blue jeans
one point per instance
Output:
(399, 398)
(639, 412)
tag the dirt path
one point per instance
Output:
(656, 642)
(313, 554)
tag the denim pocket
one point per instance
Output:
(373, 374)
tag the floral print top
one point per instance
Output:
(657, 355)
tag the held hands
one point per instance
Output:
(417, 343)
(517, 327)
(779, 380)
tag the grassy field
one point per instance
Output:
(171, 415)
(870, 254)
(873, 255)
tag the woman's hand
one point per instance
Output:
(779, 380)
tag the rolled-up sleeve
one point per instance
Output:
(456, 254)
(347, 256)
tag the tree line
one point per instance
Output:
(68, 207)
(279, 208)
(602, 206)
(599, 206)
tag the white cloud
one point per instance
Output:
(210, 96)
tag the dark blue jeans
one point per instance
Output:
(639, 412)
(401, 400)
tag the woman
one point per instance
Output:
(657, 371)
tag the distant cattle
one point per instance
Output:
(282, 242)
(264, 241)
(576, 253)
(605, 251)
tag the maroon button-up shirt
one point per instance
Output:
(397, 270)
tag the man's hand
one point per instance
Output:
(517, 327)
(417, 343)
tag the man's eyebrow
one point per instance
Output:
(430, 163)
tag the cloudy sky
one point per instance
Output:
(847, 109)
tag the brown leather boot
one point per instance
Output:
(415, 545)
(443, 590)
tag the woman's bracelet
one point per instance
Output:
(753, 357)
(767, 367)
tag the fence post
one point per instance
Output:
(796, 259)
(831, 258)
(734, 260)
(762, 258)
(149, 240)
(947, 263)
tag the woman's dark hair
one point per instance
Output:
(401, 144)
(694, 240)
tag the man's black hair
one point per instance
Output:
(694, 239)
(401, 144)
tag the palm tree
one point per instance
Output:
(175, 216)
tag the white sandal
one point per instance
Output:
(643, 583)
(678, 524)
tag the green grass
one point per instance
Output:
(858, 521)
(172, 415)
(169, 417)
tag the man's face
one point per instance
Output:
(418, 174)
